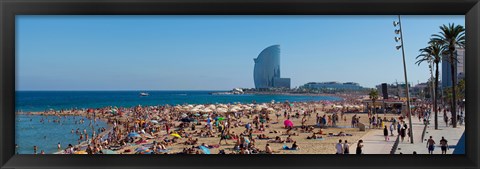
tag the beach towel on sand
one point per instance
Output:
(285, 147)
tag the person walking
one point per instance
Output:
(392, 127)
(385, 133)
(399, 128)
(430, 145)
(445, 118)
(346, 147)
(444, 145)
(402, 133)
(339, 147)
(359, 147)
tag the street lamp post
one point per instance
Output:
(433, 96)
(399, 31)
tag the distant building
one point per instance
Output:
(281, 82)
(397, 90)
(266, 72)
(419, 89)
(459, 68)
(333, 86)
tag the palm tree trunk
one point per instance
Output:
(435, 98)
(454, 97)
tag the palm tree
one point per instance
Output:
(432, 53)
(451, 37)
(373, 96)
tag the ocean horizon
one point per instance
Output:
(29, 101)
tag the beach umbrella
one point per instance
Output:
(176, 135)
(107, 151)
(134, 134)
(196, 114)
(184, 115)
(205, 115)
(207, 110)
(154, 121)
(222, 110)
(288, 123)
(204, 149)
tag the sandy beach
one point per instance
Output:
(150, 123)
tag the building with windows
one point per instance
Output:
(266, 72)
(459, 68)
(394, 90)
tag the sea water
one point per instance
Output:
(30, 131)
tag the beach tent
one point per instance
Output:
(176, 135)
(134, 134)
(288, 123)
(204, 149)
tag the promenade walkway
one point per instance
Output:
(374, 141)
(453, 136)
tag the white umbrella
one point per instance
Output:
(222, 110)
(211, 106)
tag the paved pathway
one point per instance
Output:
(374, 141)
(453, 135)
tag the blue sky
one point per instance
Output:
(214, 52)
